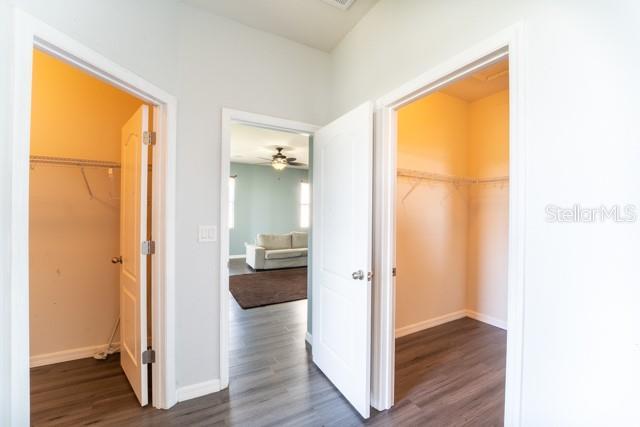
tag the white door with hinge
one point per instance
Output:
(133, 268)
(341, 256)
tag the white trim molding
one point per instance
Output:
(308, 338)
(449, 317)
(237, 256)
(69, 355)
(230, 116)
(485, 318)
(30, 33)
(430, 323)
(198, 390)
(507, 43)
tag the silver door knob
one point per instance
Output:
(358, 275)
(116, 260)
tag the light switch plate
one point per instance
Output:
(207, 233)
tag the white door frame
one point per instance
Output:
(230, 116)
(506, 43)
(30, 33)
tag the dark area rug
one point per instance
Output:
(269, 287)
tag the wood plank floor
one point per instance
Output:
(239, 266)
(451, 375)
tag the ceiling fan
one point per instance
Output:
(279, 161)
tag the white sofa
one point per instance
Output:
(278, 251)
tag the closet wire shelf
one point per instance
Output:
(67, 161)
(81, 163)
(429, 176)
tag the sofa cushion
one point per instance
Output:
(285, 253)
(299, 239)
(274, 241)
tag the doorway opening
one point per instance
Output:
(90, 206)
(338, 305)
(269, 216)
(33, 34)
(452, 226)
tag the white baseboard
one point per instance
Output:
(197, 390)
(308, 339)
(430, 323)
(498, 323)
(66, 355)
(237, 256)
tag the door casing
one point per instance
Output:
(507, 43)
(30, 33)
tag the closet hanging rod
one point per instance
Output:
(67, 161)
(491, 180)
(449, 178)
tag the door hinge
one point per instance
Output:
(149, 138)
(148, 247)
(149, 356)
(393, 272)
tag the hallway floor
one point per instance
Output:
(450, 375)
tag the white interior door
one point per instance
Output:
(341, 256)
(133, 270)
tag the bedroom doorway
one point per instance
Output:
(265, 239)
(269, 216)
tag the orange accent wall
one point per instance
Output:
(433, 135)
(489, 136)
(74, 288)
(74, 114)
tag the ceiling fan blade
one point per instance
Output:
(297, 164)
(291, 159)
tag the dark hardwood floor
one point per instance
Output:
(451, 375)
(239, 266)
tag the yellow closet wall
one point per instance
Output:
(431, 221)
(488, 226)
(432, 135)
(451, 241)
(489, 136)
(74, 114)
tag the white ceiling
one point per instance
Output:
(482, 83)
(254, 145)
(310, 22)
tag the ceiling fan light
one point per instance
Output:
(279, 164)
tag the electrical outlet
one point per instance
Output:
(207, 233)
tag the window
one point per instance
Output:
(232, 202)
(305, 204)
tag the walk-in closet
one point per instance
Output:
(452, 222)
(79, 128)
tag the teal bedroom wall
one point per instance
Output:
(267, 201)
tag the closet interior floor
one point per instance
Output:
(450, 375)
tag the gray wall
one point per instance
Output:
(258, 72)
(267, 201)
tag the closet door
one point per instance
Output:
(133, 270)
(341, 257)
